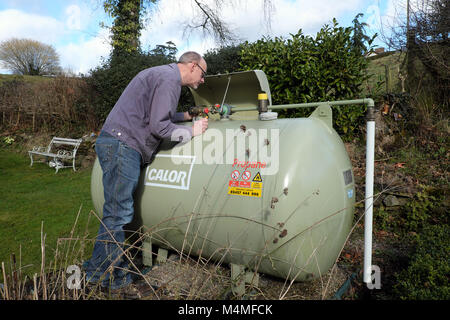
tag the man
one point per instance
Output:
(143, 116)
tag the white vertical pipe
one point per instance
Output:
(370, 160)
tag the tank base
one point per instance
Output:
(147, 258)
(240, 277)
(162, 256)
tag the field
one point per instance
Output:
(34, 199)
(30, 79)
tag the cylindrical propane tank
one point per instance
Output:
(276, 196)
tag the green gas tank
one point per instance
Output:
(274, 195)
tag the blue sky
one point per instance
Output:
(72, 26)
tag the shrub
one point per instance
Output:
(224, 59)
(424, 208)
(428, 273)
(305, 69)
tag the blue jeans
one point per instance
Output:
(121, 167)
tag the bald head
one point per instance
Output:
(192, 69)
(190, 56)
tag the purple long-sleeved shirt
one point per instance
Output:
(146, 111)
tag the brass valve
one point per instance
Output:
(204, 111)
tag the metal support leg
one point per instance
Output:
(252, 278)
(162, 255)
(147, 258)
(238, 279)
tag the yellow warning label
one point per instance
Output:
(257, 185)
(244, 192)
(257, 177)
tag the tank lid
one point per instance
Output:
(243, 89)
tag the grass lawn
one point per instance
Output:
(30, 196)
(29, 79)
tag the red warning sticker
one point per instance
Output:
(233, 183)
(245, 184)
(246, 175)
(235, 175)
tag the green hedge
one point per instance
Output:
(301, 69)
(224, 59)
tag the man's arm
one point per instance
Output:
(161, 123)
(181, 116)
(187, 116)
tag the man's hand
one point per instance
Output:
(199, 126)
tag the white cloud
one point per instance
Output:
(309, 15)
(86, 55)
(15, 23)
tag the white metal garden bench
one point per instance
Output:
(56, 153)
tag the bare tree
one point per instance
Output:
(427, 20)
(428, 35)
(209, 20)
(29, 57)
(208, 17)
(424, 34)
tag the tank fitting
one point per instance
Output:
(263, 102)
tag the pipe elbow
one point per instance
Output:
(369, 102)
(370, 116)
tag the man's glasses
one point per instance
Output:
(203, 71)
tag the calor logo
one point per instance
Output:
(162, 173)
